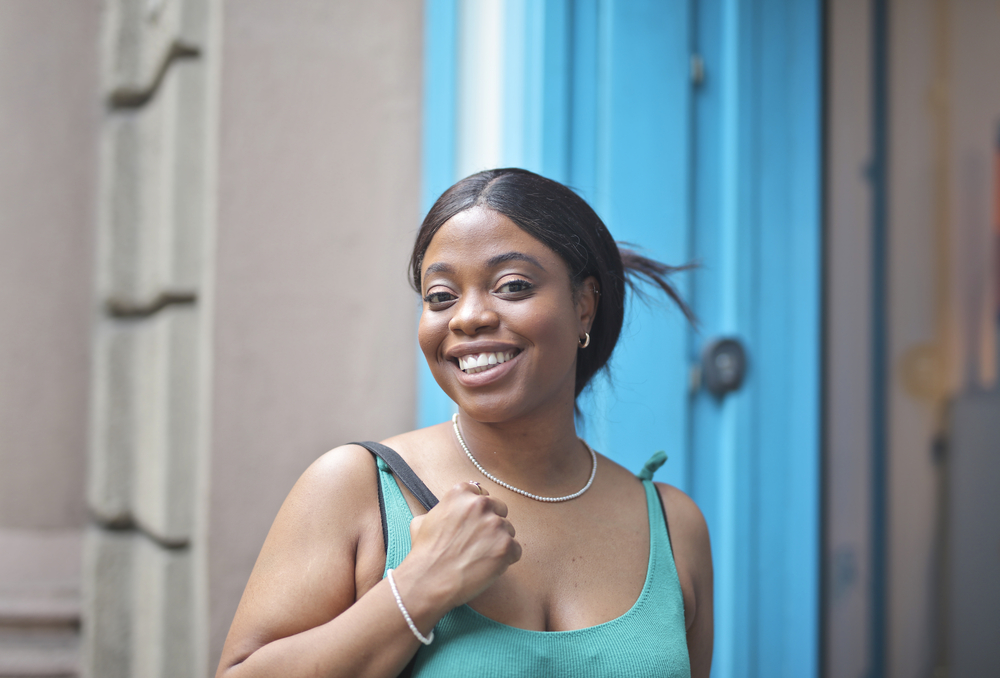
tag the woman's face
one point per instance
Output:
(501, 321)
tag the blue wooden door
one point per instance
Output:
(693, 129)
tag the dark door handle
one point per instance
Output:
(723, 365)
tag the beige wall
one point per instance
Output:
(48, 124)
(944, 112)
(49, 113)
(944, 108)
(314, 325)
(268, 183)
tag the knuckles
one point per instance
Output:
(495, 522)
(466, 487)
(463, 509)
(515, 551)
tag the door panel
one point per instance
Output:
(722, 170)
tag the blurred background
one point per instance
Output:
(206, 211)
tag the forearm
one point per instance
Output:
(370, 639)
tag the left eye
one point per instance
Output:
(515, 286)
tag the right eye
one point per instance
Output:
(437, 298)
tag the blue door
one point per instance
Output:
(693, 129)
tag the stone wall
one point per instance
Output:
(205, 214)
(259, 174)
(149, 426)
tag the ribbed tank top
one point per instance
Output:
(650, 639)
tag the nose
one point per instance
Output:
(473, 313)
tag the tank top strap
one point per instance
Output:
(660, 555)
(665, 583)
(397, 515)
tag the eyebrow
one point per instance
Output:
(434, 268)
(495, 260)
(513, 256)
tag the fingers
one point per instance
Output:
(467, 538)
(515, 551)
(509, 526)
(473, 487)
(498, 507)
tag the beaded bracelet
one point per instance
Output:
(406, 615)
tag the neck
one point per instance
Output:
(539, 453)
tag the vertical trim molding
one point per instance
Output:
(880, 339)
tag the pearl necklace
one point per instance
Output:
(593, 471)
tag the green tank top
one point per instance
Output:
(650, 639)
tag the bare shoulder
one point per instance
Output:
(331, 513)
(308, 568)
(335, 466)
(682, 512)
(328, 499)
(421, 450)
(693, 558)
(338, 476)
(688, 529)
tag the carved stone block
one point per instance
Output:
(139, 36)
(140, 617)
(146, 424)
(152, 208)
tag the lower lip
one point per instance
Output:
(487, 376)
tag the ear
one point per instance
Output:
(588, 296)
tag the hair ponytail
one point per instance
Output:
(640, 269)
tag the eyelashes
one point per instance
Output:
(520, 285)
(439, 298)
(511, 290)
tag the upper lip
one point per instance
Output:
(477, 347)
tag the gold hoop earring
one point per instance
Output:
(585, 342)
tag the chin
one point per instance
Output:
(489, 410)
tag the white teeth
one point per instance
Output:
(473, 364)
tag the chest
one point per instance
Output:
(576, 570)
(586, 599)
(581, 565)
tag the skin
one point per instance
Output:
(316, 604)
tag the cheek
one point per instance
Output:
(430, 332)
(550, 329)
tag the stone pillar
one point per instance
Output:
(144, 596)
(259, 195)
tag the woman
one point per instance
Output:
(542, 557)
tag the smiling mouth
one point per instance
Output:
(480, 362)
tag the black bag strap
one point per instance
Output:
(403, 472)
(414, 484)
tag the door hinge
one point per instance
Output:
(697, 70)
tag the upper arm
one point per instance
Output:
(693, 558)
(306, 572)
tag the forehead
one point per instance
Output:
(479, 234)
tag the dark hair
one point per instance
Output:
(564, 222)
